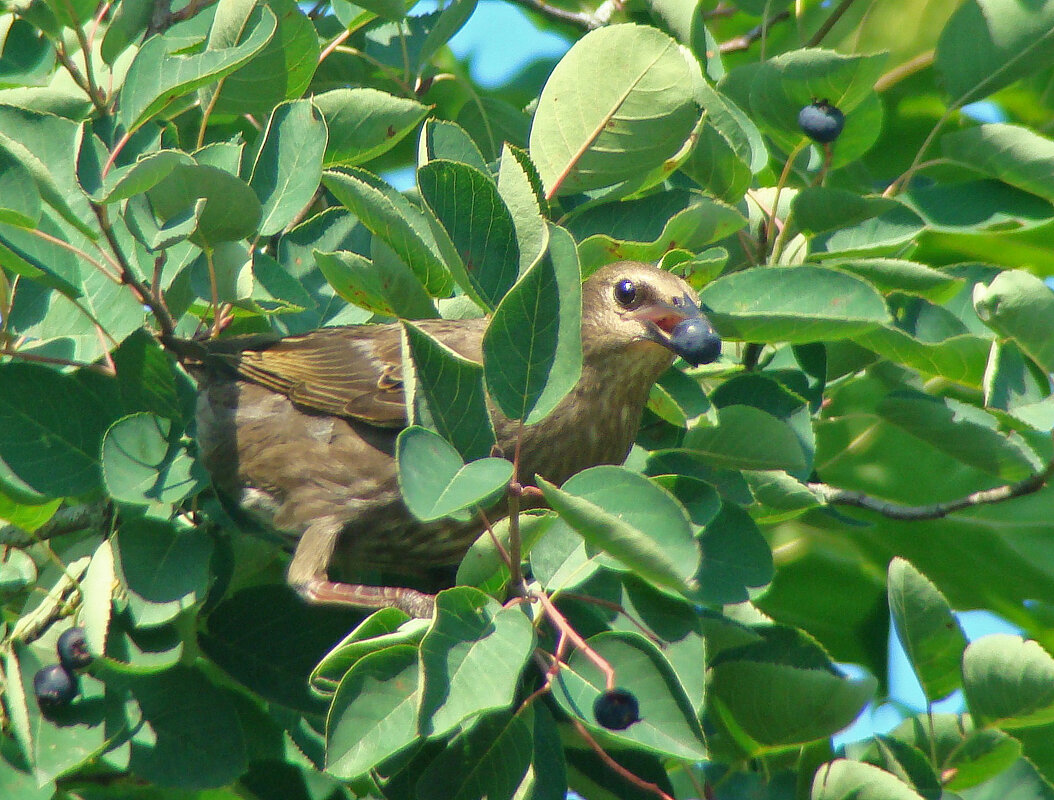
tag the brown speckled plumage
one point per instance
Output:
(302, 430)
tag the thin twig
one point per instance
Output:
(66, 519)
(143, 293)
(830, 22)
(565, 629)
(832, 495)
(740, 43)
(579, 19)
(94, 92)
(618, 609)
(616, 767)
(60, 362)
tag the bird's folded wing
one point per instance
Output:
(354, 372)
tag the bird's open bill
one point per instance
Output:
(682, 327)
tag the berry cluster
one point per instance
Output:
(56, 684)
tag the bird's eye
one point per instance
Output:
(625, 292)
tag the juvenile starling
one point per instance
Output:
(301, 430)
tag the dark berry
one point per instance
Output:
(821, 121)
(694, 340)
(616, 710)
(54, 687)
(73, 649)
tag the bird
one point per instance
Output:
(300, 430)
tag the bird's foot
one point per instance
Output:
(320, 591)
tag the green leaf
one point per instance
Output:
(468, 206)
(783, 85)
(1012, 382)
(189, 735)
(909, 764)
(1021, 779)
(447, 23)
(899, 275)
(144, 462)
(617, 105)
(484, 566)
(989, 44)
(960, 358)
(532, 350)
(667, 726)
(1020, 306)
(385, 287)
(51, 427)
(471, 658)
(160, 75)
(441, 374)
(364, 123)
(72, 736)
(138, 651)
(928, 630)
(1008, 682)
(818, 209)
(783, 692)
(132, 179)
(164, 571)
(231, 211)
(885, 235)
(736, 558)
(129, 22)
(1011, 153)
(382, 629)
(965, 757)
(747, 438)
(843, 779)
(389, 216)
(675, 621)
(285, 169)
(237, 642)
(975, 206)
(964, 432)
(20, 201)
(281, 71)
(436, 483)
(632, 519)
(46, 146)
(645, 229)
(374, 713)
(501, 756)
(793, 304)
(448, 141)
(520, 188)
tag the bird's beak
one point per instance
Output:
(681, 327)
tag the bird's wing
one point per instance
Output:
(352, 371)
(355, 371)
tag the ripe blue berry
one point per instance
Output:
(694, 340)
(821, 121)
(616, 709)
(73, 649)
(54, 687)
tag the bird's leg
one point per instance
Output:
(308, 575)
(321, 591)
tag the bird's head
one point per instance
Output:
(638, 311)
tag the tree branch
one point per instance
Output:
(833, 496)
(580, 19)
(740, 43)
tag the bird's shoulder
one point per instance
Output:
(351, 371)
